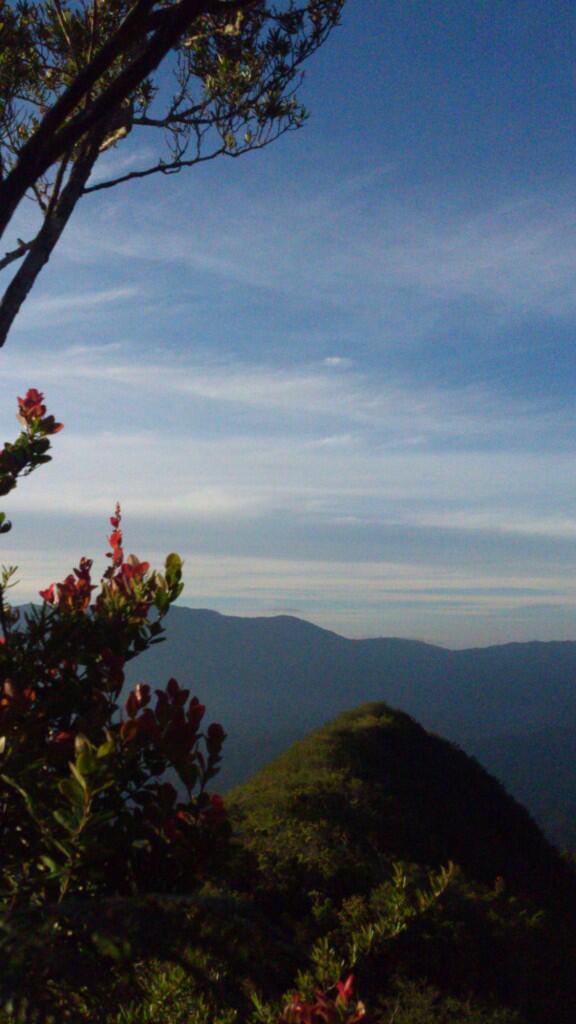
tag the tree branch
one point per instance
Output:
(176, 165)
(15, 254)
(55, 134)
(27, 169)
(40, 250)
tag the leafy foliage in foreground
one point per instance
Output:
(85, 808)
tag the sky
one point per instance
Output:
(336, 376)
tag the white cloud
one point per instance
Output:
(337, 361)
(327, 449)
(371, 255)
(114, 163)
(115, 379)
(53, 308)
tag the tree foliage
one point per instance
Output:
(207, 78)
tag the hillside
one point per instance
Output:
(373, 786)
(270, 680)
(336, 814)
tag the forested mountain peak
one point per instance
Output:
(373, 786)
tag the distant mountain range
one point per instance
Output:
(271, 680)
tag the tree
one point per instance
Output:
(208, 77)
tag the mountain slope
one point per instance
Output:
(349, 821)
(373, 786)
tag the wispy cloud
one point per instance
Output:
(340, 249)
(46, 309)
(118, 162)
(324, 404)
(374, 491)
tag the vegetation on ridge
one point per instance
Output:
(361, 825)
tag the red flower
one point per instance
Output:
(131, 705)
(49, 425)
(133, 569)
(142, 692)
(83, 570)
(31, 407)
(216, 812)
(177, 696)
(130, 730)
(178, 737)
(137, 699)
(148, 725)
(32, 413)
(115, 538)
(74, 592)
(345, 989)
(195, 712)
(115, 542)
(215, 737)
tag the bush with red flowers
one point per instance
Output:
(325, 1008)
(106, 821)
(84, 803)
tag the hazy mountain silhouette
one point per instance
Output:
(270, 680)
(539, 767)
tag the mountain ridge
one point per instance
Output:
(270, 679)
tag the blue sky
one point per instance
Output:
(337, 376)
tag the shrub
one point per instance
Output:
(86, 808)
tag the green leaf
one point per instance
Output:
(52, 866)
(65, 819)
(67, 851)
(78, 776)
(23, 793)
(105, 749)
(86, 763)
(162, 600)
(72, 791)
(173, 568)
(116, 949)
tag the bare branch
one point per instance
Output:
(58, 8)
(40, 250)
(15, 254)
(177, 165)
(165, 122)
